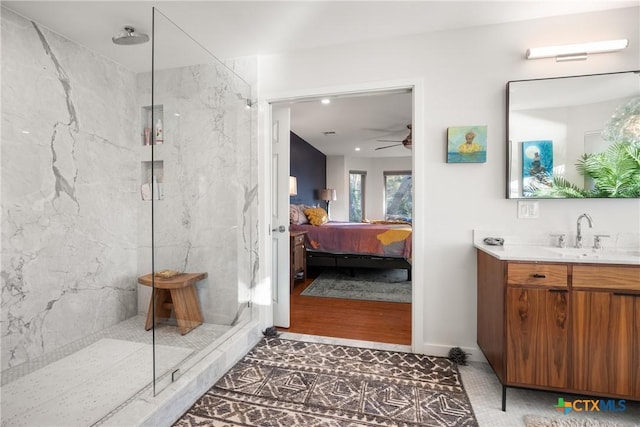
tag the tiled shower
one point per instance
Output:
(79, 225)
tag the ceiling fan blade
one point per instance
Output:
(388, 140)
(388, 146)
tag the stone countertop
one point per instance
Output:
(542, 251)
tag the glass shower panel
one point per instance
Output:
(200, 178)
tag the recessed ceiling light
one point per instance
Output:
(357, 148)
(326, 101)
(26, 132)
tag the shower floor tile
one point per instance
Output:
(71, 376)
(131, 329)
(81, 388)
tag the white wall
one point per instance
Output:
(464, 74)
(336, 179)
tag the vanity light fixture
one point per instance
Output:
(579, 51)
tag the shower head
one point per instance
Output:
(130, 37)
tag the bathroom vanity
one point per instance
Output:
(561, 319)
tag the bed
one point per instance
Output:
(358, 245)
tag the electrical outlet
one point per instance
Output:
(528, 209)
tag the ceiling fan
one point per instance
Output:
(405, 142)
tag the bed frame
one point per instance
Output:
(351, 261)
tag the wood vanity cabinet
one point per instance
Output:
(561, 326)
(606, 330)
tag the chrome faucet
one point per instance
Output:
(579, 234)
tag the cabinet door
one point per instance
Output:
(604, 342)
(537, 336)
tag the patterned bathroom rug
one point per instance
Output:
(293, 383)
(80, 389)
(366, 284)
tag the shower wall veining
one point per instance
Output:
(75, 232)
(205, 220)
(69, 216)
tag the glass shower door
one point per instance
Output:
(200, 172)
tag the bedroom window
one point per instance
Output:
(356, 195)
(397, 195)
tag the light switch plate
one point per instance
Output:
(528, 209)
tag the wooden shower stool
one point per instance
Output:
(177, 293)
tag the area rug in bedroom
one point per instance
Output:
(366, 284)
(293, 383)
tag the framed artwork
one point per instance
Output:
(537, 166)
(467, 144)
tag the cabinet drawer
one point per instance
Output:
(536, 274)
(626, 278)
(298, 240)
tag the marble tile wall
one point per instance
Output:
(206, 220)
(75, 232)
(69, 191)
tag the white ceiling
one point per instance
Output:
(231, 29)
(358, 122)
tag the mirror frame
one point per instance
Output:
(555, 81)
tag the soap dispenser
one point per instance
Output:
(158, 132)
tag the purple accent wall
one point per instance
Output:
(309, 166)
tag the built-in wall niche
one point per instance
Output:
(152, 179)
(152, 124)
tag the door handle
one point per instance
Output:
(280, 229)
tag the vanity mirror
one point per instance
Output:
(574, 136)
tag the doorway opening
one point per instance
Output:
(363, 134)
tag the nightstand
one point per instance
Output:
(298, 258)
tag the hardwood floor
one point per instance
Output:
(386, 322)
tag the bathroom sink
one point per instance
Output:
(602, 254)
(578, 252)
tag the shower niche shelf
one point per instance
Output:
(152, 132)
(151, 187)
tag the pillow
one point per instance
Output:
(317, 216)
(296, 214)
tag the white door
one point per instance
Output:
(280, 128)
